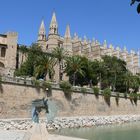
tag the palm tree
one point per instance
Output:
(128, 81)
(59, 53)
(24, 50)
(43, 65)
(88, 69)
(136, 83)
(74, 65)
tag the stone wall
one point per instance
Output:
(15, 102)
(88, 105)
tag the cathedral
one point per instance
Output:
(11, 58)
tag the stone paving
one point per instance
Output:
(14, 135)
(21, 135)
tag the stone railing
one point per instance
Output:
(54, 85)
(26, 81)
(90, 91)
(17, 80)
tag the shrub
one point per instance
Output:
(96, 92)
(47, 87)
(36, 83)
(67, 89)
(83, 90)
(125, 95)
(107, 94)
(138, 96)
(117, 99)
(133, 98)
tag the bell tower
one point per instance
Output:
(53, 37)
(67, 41)
(42, 32)
(53, 25)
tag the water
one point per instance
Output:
(118, 132)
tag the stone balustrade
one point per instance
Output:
(29, 82)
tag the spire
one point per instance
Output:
(105, 44)
(124, 49)
(75, 38)
(42, 32)
(67, 33)
(85, 40)
(53, 25)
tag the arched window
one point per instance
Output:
(1, 65)
(3, 52)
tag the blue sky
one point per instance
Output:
(111, 20)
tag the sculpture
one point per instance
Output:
(38, 106)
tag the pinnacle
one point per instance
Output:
(53, 21)
(42, 28)
(67, 33)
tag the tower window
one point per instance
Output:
(3, 52)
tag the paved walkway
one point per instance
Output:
(21, 135)
(14, 135)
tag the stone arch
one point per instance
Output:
(1, 65)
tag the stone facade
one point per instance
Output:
(11, 58)
(90, 49)
(16, 102)
(8, 53)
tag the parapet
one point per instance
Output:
(12, 33)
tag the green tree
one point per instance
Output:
(128, 81)
(113, 70)
(135, 83)
(59, 53)
(27, 68)
(89, 74)
(74, 65)
(138, 7)
(44, 65)
(23, 49)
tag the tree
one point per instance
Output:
(74, 65)
(135, 83)
(44, 65)
(138, 7)
(27, 68)
(23, 49)
(113, 71)
(59, 53)
(89, 73)
(128, 82)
